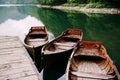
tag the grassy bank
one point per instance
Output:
(85, 10)
(83, 3)
(94, 5)
(87, 6)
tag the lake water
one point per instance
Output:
(17, 20)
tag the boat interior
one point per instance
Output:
(89, 65)
(37, 36)
(62, 44)
(84, 69)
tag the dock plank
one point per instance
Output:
(15, 63)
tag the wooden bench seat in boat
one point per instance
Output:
(36, 32)
(55, 51)
(92, 75)
(68, 44)
(36, 40)
(71, 36)
(64, 47)
(58, 49)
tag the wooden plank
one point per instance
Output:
(19, 77)
(11, 51)
(92, 75)
(4, 39)
(15, 63)
(64, 47)
(11, 71)
(67, 44)
(7, 45)
(32, 77)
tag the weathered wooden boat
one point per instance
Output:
(89, 61)
(34, 41)
(59, 49)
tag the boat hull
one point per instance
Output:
(36, 38)
(56, 59)
(30, 50)
(35, 54)
(55, 65)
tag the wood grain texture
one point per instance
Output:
(15, 63)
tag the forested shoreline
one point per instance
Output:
(83, 3)
(80, 3)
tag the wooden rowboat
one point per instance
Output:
(61, 47)
(35, 40)
(37, 37)
(89, 61)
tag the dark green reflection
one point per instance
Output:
(56, 21)
(96, 27)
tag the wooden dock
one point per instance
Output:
(15, 62)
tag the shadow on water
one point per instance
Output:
(55, 72)
(96, 27)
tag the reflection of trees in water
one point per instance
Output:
(55, 20)
(18, 12)
(29, 10)
(103, 27)
(11, 12)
